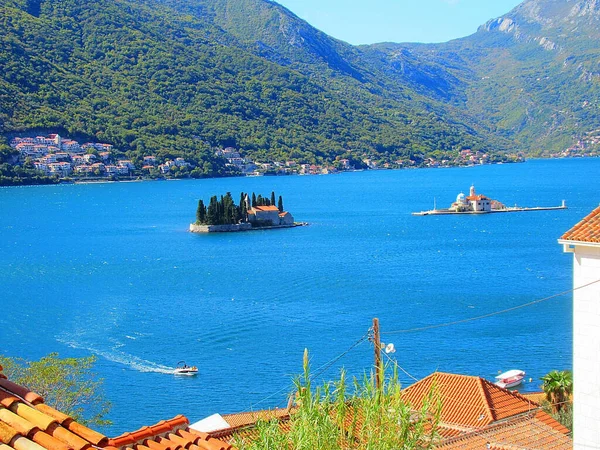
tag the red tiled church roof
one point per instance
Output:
(587, 230)
(266, 208)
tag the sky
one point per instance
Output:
(370, 21)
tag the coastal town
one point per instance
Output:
(54, 155)
(67, 159)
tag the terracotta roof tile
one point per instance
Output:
(468, 401)
(22, 426)
(39, 426)
(7, 433)
(20, 391)
(7, 399)
(51, 412)
(266, 208)
(549, 420)
(587, 230)
(64, 435)
(523, 431)
(153, 445)
(89, 435)
(22, 443)
(32, 415)
(47, 441)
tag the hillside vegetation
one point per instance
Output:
(161, 77)
(180, 78)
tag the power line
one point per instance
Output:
(484, 316)
(398, 366)
(326, 366)
(322, 369)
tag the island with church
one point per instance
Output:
(252, 213)
(480, 204)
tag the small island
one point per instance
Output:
(252, 213)
(480, 204)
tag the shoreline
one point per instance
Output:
(237, 228)
(143, 179)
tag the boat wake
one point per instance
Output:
(117, 356)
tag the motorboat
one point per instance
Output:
(183, 369)
(510, 379)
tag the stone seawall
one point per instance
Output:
(239, 227)
(219, 228)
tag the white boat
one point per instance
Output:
(183, 369)
(510, 379)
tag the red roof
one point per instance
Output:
(26, 423)
(474, 412)
(171, 434)
(524, 431)
(266, 208)
(477, 197)
(587, 230)
(468, 401)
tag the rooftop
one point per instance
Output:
(266, 208)
(587, 230)
(474, 412)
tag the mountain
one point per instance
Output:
(532, 76)
(183, 77)
(179, 78)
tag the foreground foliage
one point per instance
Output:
(66, 384)
(558, 387)
(332, 417)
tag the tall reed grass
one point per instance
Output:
(348, 416)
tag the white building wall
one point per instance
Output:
(586, 347)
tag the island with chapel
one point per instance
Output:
(475, 203)
(253, 212)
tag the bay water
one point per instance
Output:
(111, 270)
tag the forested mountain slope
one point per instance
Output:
(180, 78)
(532, 76)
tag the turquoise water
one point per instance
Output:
(110, 269)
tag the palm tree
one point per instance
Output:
(558, 386)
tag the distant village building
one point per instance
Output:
(583, 241)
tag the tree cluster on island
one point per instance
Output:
(224, 211)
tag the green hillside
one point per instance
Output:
(171, 79)
(531, 76)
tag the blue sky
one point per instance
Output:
(371, 21)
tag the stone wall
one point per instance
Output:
(219, 228)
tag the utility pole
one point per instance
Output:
(377, 345)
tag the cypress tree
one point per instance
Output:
(244, 210)
(273, 198)
(260, 201)
(254, 204)
(212, 214)
(200, 212)
(280, 204)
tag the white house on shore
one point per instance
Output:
(583, 241)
